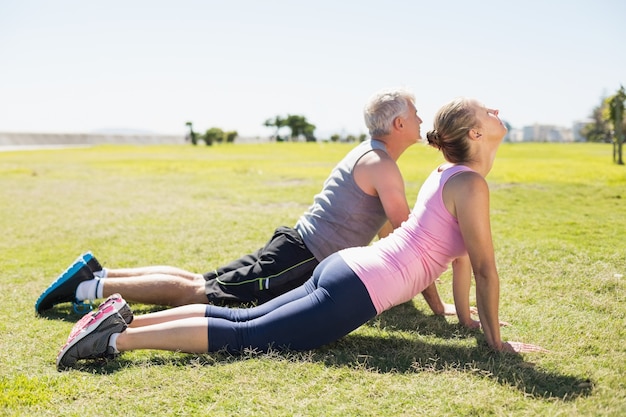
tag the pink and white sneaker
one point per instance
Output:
(89, 338)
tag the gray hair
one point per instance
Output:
(383, 107)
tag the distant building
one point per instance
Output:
(514, 135)
(546, 133)
(577, 127)
(82, 139)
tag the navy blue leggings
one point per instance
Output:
(331, 304)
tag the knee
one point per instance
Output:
(193, 277)
(194, 292)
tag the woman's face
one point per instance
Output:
(490, 123)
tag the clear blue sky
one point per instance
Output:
(80, 66)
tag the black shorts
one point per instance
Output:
(283, 264)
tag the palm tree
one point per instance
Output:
(191, 136)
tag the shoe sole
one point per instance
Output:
(47, 300)
(115, 300)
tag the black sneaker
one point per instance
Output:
(91, 340)
(92, 262)
(63, 289)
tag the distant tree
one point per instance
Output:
(349, 138)
(599, 129)
(214, 134)
(616, 117)
(277, 122)
(299, 126)
(191, 136)
(309, 133)
(230, 136)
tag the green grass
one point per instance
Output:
(559, 222)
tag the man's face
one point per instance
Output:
(414, 123)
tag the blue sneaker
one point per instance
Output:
(63, 289)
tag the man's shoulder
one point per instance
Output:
(376, 158)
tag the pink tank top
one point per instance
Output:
(397, 268)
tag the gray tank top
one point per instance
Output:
(342, 215)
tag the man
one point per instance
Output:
(364, 195)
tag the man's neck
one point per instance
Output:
(395, 146)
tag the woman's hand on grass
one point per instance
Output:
(519, 347)
(450, 310)
(475, 324)
(472, 324)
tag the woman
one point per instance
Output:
(448, 225)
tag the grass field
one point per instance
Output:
(559, 225)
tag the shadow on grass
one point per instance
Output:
(400, 354)
(410, 355)
(65, 312)
(396, 354)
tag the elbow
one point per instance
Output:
(487, 283)
(487, 274)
